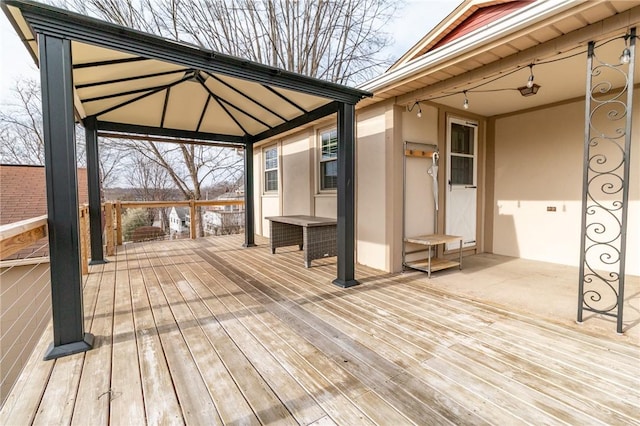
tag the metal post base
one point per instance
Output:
(249, 245)
(70, 348)
(345, 284)
(98, 262)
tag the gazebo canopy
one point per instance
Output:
(113, 78)
(135, 82)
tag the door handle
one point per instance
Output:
(450, 186)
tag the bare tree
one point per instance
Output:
(22, 139)
(340, 41)
(151, 182)
(191, 167)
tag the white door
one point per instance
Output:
(461, 183)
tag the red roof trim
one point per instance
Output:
(480, 18)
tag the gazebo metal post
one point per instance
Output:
(346, 196)
(249, 222)
(93, 179)
(62, 198)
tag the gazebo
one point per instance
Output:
(115, 79)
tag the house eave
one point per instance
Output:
(480, 40)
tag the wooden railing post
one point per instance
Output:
(192, 222)
(118, 223)
(108, 213)
(84, 243)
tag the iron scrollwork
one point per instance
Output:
(606, 183)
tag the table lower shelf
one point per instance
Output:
(437, 264)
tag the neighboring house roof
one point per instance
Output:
(182, 212)
(231, 196)
(23, 192)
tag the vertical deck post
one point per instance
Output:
(62, 198)
(249, 218)
(346, 196)
(93, 178)
(192, 221)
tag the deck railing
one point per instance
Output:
(113, 211)
(25, 233)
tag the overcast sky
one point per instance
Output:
(413, 21)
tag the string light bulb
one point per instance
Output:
(419, 113)
(625, 58)
(465, 105)
(531, 77)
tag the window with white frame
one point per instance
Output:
(329, 159)
(270, 169)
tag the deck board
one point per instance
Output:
(206, 332)
(125, 393)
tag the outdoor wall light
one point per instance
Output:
(419, 113)
(529, 90)
(465, 105)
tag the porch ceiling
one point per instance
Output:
(493, 70)
(130, 79)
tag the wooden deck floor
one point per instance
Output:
(203, 332)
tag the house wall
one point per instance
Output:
(297, 177)
(538, 164)
(371, 188)
(299, 193)
(419, 212)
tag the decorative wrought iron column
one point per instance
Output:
(95, 201)
(346, 196)
(249, 214)
(62, 198)
(607, 158)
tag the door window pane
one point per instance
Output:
(462, 139)
(461, 170)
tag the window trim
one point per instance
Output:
(320, 161)
(266, 170)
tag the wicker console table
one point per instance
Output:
(431, 264)
(315, 235)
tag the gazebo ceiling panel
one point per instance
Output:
(245, 101)
(271, 100)
(118, 71)
(96, 107)
(308, 102)
(216, 120)
(250, 125)
(84, 53)
(109, 90)
(185, 104)
(145, 112)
